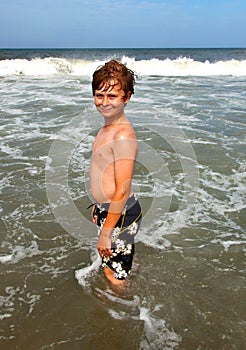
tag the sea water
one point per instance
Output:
(187, 287)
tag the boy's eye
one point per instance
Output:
(111, 96)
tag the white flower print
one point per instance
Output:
(128, 249)
(133, 228)
(116, 265)
(120, 275)
(119, 271)
(115, 233)
(120, 244)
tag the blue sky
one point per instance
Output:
(124, 23)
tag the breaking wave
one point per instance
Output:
(181, 66)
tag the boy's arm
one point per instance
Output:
(125, 151)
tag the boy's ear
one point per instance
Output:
(128, 96)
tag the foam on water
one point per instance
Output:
(83, 275)
(39, 113)
(182, 66)
(157, 333)
(20, 252)
(8, 301)
(22, 130)
(218, 198)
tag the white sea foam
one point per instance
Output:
(16, 294)
(6, 315)
(182, 66)
(85, 273)
(115, 300)
(20, 252)
(9, 150)
(228, 244)
(33, 112)
(158, 335)
(6, 258)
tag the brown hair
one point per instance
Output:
(112, 73)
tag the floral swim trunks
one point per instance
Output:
(122, 237)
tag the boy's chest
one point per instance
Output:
(102, 148)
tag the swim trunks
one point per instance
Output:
(122, 237)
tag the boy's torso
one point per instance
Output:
(102, 175)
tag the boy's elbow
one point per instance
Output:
(126, 189)
(123, 193)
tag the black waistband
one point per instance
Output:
(131, 201)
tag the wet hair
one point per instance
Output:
(111, 74)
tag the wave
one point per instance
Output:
(182, 66)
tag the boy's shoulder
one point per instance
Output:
(124, 131)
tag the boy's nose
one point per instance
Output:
(105, 100)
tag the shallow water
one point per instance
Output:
(187, 287)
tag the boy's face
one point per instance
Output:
(110, 102)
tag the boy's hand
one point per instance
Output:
(104, 245)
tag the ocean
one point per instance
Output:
(187, 286)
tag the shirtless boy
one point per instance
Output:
(117, 212)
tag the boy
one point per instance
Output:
(117, 212)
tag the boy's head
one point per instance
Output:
(111, 74)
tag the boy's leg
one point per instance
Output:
(110, 276)
(123, 246)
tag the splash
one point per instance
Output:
(181, 66)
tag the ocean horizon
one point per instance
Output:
(145, 61)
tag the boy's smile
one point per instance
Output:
(111, 102)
